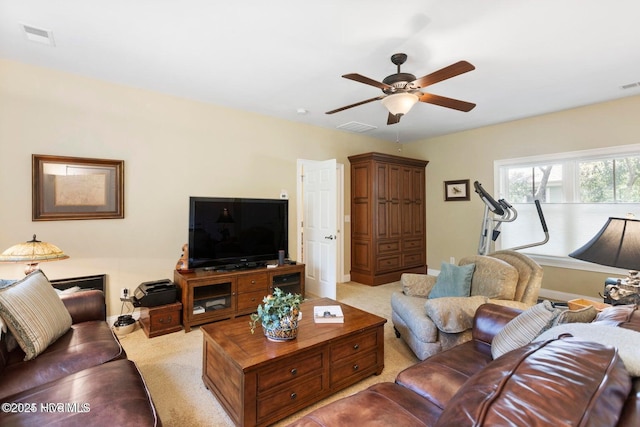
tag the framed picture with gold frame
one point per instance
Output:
(456, 190)
(66, 188)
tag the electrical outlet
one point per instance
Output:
(124, 293)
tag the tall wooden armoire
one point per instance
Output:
(388, 217)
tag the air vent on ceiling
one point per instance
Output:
(38, 35)
(357, 127)
(630, 85)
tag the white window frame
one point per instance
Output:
(597, 153)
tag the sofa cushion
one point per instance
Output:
(626, 341)
(524, 328)
(492, 277)
(34, 313)
(439, 378)
(453, 314)
(382, 404)
(84, 345)
(550, 383)
(453, 281)
(110, 394)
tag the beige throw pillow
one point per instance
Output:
(582, 315)
(34, 313)
(453, 314)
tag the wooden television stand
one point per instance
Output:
(209, 295)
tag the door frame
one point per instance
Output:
(340, 265)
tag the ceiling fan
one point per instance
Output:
(401, 90)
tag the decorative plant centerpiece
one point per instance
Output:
(278, 314)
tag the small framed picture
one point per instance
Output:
(456, 190)
(66, 188)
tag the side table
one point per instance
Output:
(160, 320)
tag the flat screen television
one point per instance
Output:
(233, 233)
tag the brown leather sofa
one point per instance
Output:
(564, 381)
(82, 379)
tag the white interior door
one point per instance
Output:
(319, 225)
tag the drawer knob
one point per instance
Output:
(167, 320)
(294, 371)
(293, 395)
(253, 282)
(357, 346)
(355, 367)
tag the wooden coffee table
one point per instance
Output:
(259, 382)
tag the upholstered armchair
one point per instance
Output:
(430, 321)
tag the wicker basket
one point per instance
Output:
(577, 304)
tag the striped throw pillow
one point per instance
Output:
(34, 313)
(523, 328)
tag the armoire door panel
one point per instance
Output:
(361, 255)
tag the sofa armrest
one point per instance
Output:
(508, 303)
(85, 306)
(490, 319)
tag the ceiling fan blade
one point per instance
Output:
(445, 73)
(393, 119)
(366, 80)
(443, 101)
(355, 105)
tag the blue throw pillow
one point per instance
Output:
(4, 283)
(453, 281)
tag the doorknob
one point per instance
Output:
(330, 237)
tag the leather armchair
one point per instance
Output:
(429, 326)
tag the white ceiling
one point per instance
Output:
(275, 57)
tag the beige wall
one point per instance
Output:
(453, 228)
(172, 148)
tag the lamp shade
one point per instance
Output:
(33, 252)
(617, 244)
(399, 103)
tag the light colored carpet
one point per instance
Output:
(172, 364)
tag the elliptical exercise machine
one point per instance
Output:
(498, 212)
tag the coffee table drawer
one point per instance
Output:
(290, 370)
(354, 345)
(356, 366)
(295, 394)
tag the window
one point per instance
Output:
(578, 191)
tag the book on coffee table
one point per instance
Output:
(328, 314)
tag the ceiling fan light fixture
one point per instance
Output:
(399, 103)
